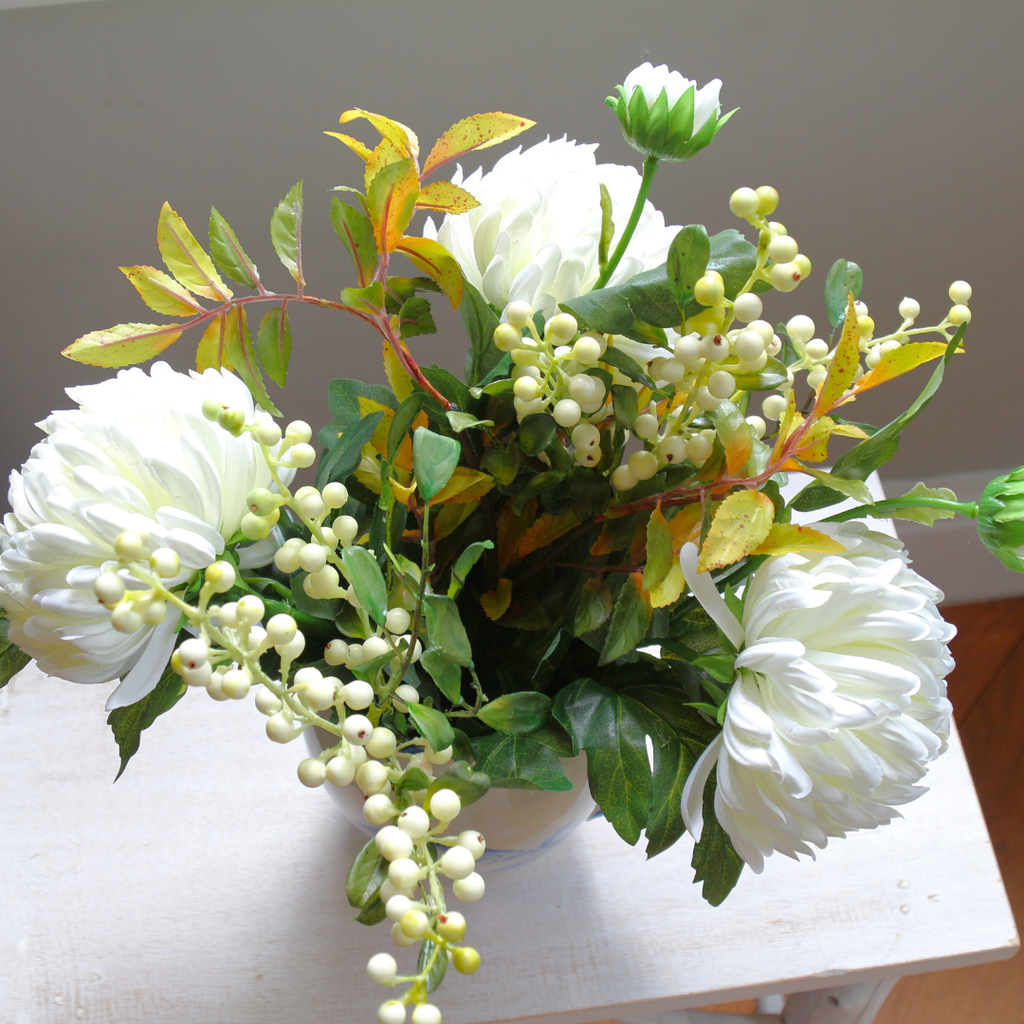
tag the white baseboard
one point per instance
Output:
(950, 553)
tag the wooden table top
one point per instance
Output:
(207, 886)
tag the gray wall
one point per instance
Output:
(893, 132)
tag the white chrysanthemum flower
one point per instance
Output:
(651, 80)
(137, 454)
(536, 233)
(839, 701)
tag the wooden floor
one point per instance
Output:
(987, 691)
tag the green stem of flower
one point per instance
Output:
(650, 167)
(881, 509)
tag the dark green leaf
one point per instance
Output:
(373, 912)
(340, 461)
(628, 626)
(228, 253)
(437, 968)
(365, 576)
(612, 730)
(467, 783)
(127, 723)
(594, 607)
(356, 231)
(274, 344)
(450, 386)
(520, 762)
(715, 862)
(368, 870)
(521, 712)
(480, 322)
(434, 459)
(860, 462)
(536, 485)
(445, 630)
(627, 364)
(12, 658)
(465, 562)
(687, 260)
(633, 308)
(626, 405)
(432, 726)
(286, 231)
(843, 277)
(446, 674)
(589, 492)
(536, 432)
(462, 748)
(734, 258)
(415, 318)
(403, 421)
(502, 464)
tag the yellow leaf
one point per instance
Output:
(845, 361)
(391, 201)
(396, 132)
(669, 590)
(495, 602)
(787, 425)
(368, 472)
(436, 261)
(186, 259)
(446, 197)
(546, 529)
(211, 353)
(402, 492)
(814, 444)
(740, 524)
(398, 378)
(123, 345)
(685, 525)
(354, 144)
(476, 132)
(738, 447)
(384, 154)
(850, 430)
(900, 361)
(785, 538)
(161, 292)
(367, 406)
(464, 485)
(451, 517)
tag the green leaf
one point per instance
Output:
(403, 421)
(465, 421)
(629, 622)
(365, 576)
(241, 353)
(687, 260)
(128, 722)
(373, 912)
(415, 318)
(612, 730)
(343, 396)
(632, 308)
(368, 300)
(341, 461)
(626, 405)
(368, 870)
(274, 344)
(413, 780)
(450, 386)
(446, 674)
(715, 862)
(719, 666)
(594, 607)
(355, 230)
(434, 459)
(480, 322)
(607, 227)
(445, 629)
(520, 762)
(432, 726)
(437, 969)
(12, 658)
(286, 231)
(521, 712)
(926, 516)
(843, 277)
(464, 564)
(536, 432)
(502, 464)
(228, 253)
(627, 364)
(852, 488)
(468, 784)
(772, 374)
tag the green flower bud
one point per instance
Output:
(1001, 519)
(665, 115)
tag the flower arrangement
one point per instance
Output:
(581, 548)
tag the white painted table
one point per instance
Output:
(207, 887)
